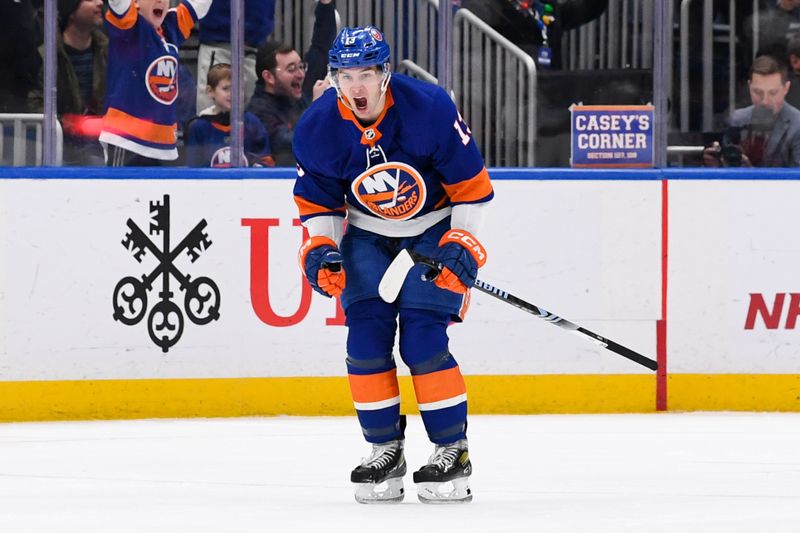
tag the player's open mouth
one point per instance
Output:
(158, 12)
(361, 103)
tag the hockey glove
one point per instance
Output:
(321, 263)
(459, 255)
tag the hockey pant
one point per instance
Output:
(438, 383)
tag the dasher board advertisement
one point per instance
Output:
(138, 279)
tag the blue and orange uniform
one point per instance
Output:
(143, 77)
(404, 181)
(208, 141)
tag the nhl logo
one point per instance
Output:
(369, 134)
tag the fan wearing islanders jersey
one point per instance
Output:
(392, 155)
(139, 127)
(208, 135)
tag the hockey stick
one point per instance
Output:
(395, 275)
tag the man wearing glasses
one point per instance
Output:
(282, 92)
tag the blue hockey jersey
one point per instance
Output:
(143, 77)
(208, 141)
(259, 21)
(396, 177)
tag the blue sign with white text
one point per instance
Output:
(607, 136)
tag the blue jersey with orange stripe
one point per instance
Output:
(208, 141)
(396, 177)
(143, 77)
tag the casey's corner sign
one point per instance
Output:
(609, 136)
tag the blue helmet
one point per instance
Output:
(358, 47)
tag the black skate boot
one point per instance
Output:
(379, 478)
(445, 479)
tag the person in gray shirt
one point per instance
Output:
(766, 133)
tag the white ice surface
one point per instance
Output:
(699, 472)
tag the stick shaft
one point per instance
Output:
(552, 318)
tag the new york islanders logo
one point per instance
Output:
(222, 158)
(392, 191)
(162, 79)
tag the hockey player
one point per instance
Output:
(139, 127)
(393, 155)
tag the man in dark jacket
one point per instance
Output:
(81, 56)
(287, 85)
(766, 133)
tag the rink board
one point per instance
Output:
(587, 249)
(329, 396)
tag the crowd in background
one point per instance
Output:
(94, 75)
(106, 49)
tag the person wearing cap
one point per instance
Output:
(393, 156)
(81, 56)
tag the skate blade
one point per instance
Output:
(455, 491)
(389, 491)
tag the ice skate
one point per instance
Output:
(379, 478)
(445, 479)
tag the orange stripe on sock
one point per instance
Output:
(439, 385)
(374, 387)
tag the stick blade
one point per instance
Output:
(392, 280)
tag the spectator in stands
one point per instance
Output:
(215, 41)
(139, 127)
(537, 26)
(208, 136)
(766, 133)
(81, 60)
(775, 17)
(286, 85)
(793, 57)
(19, 61)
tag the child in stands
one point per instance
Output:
(208, 135)
(139, 127)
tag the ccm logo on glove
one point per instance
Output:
(469, 242)
(459, 256)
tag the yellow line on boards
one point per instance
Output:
(733, 392)
(329, 396)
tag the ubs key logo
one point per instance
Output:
(201, 296)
